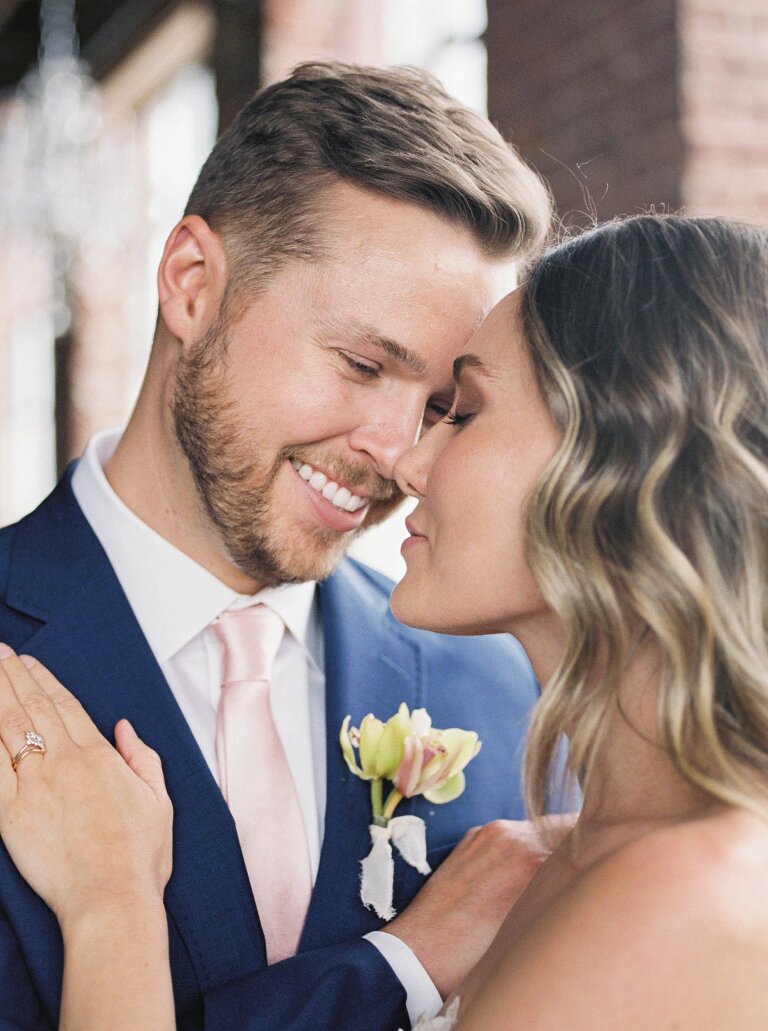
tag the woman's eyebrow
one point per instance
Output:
(470, 361)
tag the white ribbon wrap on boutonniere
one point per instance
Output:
(418, 759)
(409, 836)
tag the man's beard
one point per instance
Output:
(235, 480)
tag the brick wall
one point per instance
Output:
(303, 30)
(724, 85)
(624, 104)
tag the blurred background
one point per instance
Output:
(109, 107)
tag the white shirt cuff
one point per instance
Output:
(421, 997)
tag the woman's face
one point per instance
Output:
(467, 572)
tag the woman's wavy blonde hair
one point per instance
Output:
(650, 340)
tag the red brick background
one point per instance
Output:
(625, 104)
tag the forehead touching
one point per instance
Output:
(391, 275)
(499, 349)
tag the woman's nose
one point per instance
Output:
(412, 467)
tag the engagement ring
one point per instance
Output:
(33, 742)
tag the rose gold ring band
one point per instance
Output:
(33, 742)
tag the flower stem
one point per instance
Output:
(391, 804)
(376, 804)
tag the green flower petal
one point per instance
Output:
(391, 748)
(371, 730)
(450, 790)
(462, 746)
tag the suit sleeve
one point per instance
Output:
(20, 1006)
(347, 987)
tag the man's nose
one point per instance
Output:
(386, 438)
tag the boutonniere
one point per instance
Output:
(417, 759)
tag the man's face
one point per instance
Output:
(325, 378)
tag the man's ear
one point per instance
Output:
(191, 279)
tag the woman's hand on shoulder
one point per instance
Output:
(87, 827)
(670, 931)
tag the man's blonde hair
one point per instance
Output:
(394, 131)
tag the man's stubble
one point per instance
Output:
(235, 477)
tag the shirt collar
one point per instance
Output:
(173, 597)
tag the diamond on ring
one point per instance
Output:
(33, 742)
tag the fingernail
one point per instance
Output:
(5, 651)
(27, 660)
(129, 725)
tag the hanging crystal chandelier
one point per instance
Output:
(51, 126)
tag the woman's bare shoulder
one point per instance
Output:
(668, 931)
(718, 861)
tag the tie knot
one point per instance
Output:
(250, 639)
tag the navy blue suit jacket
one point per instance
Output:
(60, 601)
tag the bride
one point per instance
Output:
(600, 490)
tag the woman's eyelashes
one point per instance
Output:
(455, 418)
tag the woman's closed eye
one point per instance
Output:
(465, 405)
(456, 418)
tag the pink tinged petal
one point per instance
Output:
(435, 772)
(430, 751)
(448, 792)
(404, 770)
(409, 773)
(418, 766)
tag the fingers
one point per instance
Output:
(73, 717)
(25, 707)
(144, 762)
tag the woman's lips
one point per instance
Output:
(415, 538)
(412, 529)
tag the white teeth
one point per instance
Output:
(341, 497)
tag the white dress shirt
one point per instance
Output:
(175, 600)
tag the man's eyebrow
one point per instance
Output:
(369, 335)
(470, 361)
(400, 354)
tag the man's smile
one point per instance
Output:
(338, 494)
(324, 509)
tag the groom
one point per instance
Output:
(344, 239)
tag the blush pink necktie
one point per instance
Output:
(256, 779)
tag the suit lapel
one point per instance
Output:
(90, 639)
(369, 667)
